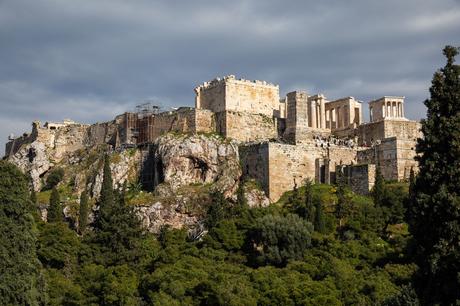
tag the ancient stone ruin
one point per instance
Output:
(281, 141)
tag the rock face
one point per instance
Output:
(255, 197)
(124, 167)
(199, 159)
(186, 168)
(32, 158)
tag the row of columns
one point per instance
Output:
(317, 114)
(393, 109)
(338, 116)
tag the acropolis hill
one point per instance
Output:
(280, 141)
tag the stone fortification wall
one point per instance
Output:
(184, 120)
(100, 133)
(279, 167)
(254, 161)
(394, 156)
(238, 95)
(403, 129)
(246, 127)
(13, 145)
(360, 178)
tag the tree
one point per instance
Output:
(435, 209)
(117, 228)
(319, 222)
(306, 208)
(218, 210)
(34, 207)
(83, 212)
(54, 178)
(343, 201)
(378, 192)
(278, 239)
(55, 208)
(19, 266)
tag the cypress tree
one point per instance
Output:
(319, 222)
(83, 213)
(55, 209)
(342, 200)
(117, 228)
(435, 207)
(19, 266)
(378, 192)
(218, 210)
(34, 208)
(306, 209)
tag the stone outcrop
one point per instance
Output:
(255, 196)
(124, 166)
(198, 159)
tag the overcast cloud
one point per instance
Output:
(92, 59)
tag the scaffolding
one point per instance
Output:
(146, 113)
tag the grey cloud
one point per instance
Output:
(89, 60)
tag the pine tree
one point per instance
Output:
(55, 208)
(83, 213)
(319, 222)
(19, 266)
(435, 208)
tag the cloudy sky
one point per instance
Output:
(91, 59)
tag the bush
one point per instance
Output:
(54, 178)
(278, 239)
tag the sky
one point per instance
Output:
(90, 60)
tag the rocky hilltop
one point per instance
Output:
(169, 180)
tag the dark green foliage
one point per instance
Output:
(117, 231)
(319, 222)
(34, 209)
(55, 208)
(278, 239)
(107, 198)
(435, 209)
(83, 212)
(378, 191)
(19, 267)
(115, 285)
(218, 210)
(62, 290)
(257, 256)
(343, 200)
(54, 178)
(306, 208)
(58, 246)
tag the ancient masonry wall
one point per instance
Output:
(394, 156)
(254, 163)
(279, 167)
(360, 178)
(230, 94)
(184, 120)
(246, 126)
(403, 129)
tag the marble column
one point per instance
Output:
(323, 114)
(313, 114)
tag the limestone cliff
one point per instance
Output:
(198, 159)
(182, 170)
